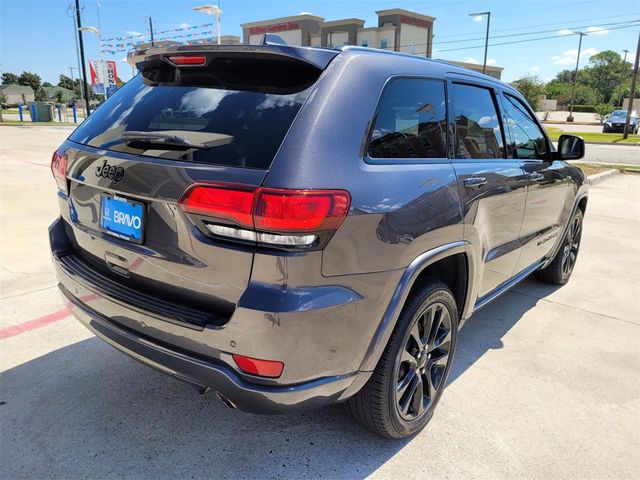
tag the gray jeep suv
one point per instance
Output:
(291, 227)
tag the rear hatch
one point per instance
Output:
(196, 115)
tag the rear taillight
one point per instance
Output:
(193, 60)
(59, 169)
(226, 202)
(262, 368)
(284, 217)
(300, 210)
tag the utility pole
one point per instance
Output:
(84, 68)
(486, 38)
(575, 79)
(73, 86)
(632, 95)
(151, 31)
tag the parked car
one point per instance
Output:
(614, 122)
(320, 229)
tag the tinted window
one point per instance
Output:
(528, 139)
(238, 128)
(478, 133)
(410, 121)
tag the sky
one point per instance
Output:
(38, 35)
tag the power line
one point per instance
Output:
(529, 40)
(537, 32)
(540, 24)
(508, 43)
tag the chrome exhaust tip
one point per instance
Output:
(225, 400)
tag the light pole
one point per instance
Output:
(624, 70)
(575, 79)
(486, 38)
(212, 10)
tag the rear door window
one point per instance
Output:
(206, 125)
(411, 120)
(478, 130)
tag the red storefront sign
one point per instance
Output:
(276, 27)
(417, 22)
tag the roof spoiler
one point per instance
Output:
(270, 68)
(271, 45)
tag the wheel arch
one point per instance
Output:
(445, 263)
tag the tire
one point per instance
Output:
(378, 406)
(559, 271)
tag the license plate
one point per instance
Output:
(122, 218)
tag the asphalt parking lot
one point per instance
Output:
(545, 383)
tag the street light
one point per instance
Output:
(575, 79)
(486, 39)
(90, 29)
(96, 31)
(211, 10)
(624, 68)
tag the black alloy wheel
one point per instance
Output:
(422, 362)
(571, 245)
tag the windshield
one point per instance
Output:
(208, 125)
(618, 114)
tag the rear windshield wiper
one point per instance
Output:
(162, 138)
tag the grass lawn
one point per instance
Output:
(554, 133)
(592, 168)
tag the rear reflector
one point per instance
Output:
(194, 60)
(261, 368)
(59, 169)
(275, 211)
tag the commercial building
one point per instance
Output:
(491, 70)
(398, 30)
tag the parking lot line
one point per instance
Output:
(39, 322)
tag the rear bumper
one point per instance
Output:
(207, 373)
(202, 355)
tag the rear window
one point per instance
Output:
(216, 126)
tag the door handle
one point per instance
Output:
(474, 182)
(535, 177)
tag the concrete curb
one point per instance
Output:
(616, 144)
(602, 176)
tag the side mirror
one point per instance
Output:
(570, 147)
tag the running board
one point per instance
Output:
(506, 286)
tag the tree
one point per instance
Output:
(29, 79)
(565, 76)
(9, 77)
(66, 82)
(59, 96)
(602, 110)
(46, 84)
(531, 88)
(604, 74)
(560, 91)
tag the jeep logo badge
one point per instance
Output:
(109, 171)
